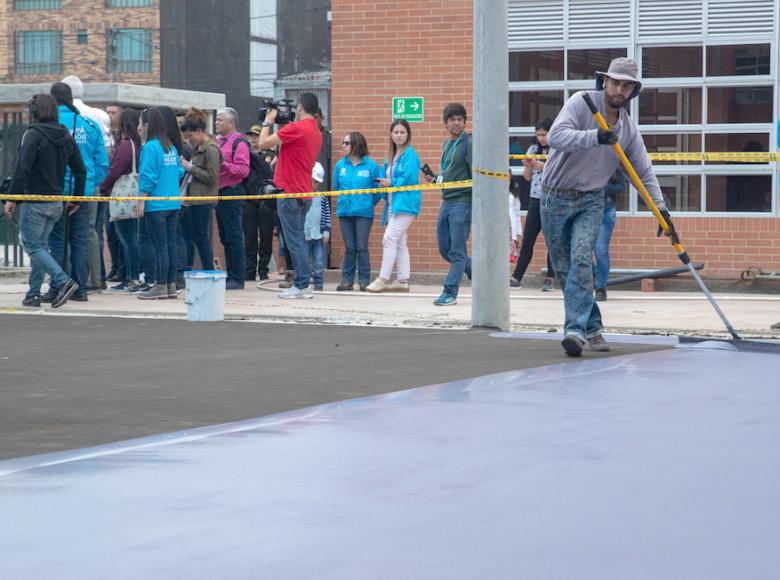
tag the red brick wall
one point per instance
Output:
(409, 48)
(400, 48)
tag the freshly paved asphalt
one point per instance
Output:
(71, 382)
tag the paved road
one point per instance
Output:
(70, 382)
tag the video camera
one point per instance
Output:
(284, 106)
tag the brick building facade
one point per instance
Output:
(405, 48)
(99, 41)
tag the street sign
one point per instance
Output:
(410, 108)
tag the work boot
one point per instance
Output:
(598, 344)
(573, 344)
(601, 294)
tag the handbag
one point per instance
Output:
(125, 186)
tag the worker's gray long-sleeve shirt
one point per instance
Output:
(578, 161)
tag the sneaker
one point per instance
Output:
(345, 286)
(122, 287)
(140, 287)
(49, 297)
(548, 285)
(113, 277)
(297, 294)
(601, 294)
(573, 344)
(65, 293)
(598, 344)
(445, 299)
(173, 292)
(133, 287)
(377, 286)
(34, 301)
(156, 292)
(234, 285)
(398, 286)
(514, 283)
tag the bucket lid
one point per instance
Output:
(205, 274)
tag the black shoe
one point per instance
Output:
(363, 287)
(180, 284)
(514, 283)
(49, 297)
(97, 289)
(34, 301)
(262, 277)
(80, 297)
(344, 286)
(114, 277)
(573, 345)
(601, 294)
(121, 287)
(234, 285)
(140, 288)
(65, 293)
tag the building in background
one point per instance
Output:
(711, 83)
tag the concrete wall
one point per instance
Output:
(304, 36)
(208, 50)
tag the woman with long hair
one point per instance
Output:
(159, 177)
(532, 171)
(126, 156)
(356, 170)
(402, 167)
(203, 178)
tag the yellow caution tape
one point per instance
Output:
(735, 156)
(93, 199)
(503, 175)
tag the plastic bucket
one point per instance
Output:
(205, 295)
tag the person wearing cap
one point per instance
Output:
(259, 221)
(573, 190)
(317, 228)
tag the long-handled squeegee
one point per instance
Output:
(681, 253)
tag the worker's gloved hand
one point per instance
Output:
(672, 232)
(607, 137)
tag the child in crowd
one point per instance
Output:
(317, 228)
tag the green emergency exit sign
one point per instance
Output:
(410, 108)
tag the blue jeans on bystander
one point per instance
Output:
(36, 222)
(292, 215)
(452, 232)
(355, 232)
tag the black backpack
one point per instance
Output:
(259, 170)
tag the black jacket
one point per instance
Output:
(46, 151)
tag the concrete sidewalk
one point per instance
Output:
(624, 312)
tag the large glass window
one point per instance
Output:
(681, 192)
(131, 52)
(536, 65)
(39, 52)
(739, 193)
(738, 60)
(528, 107)
(678, 142)
(741, 142)
(128, 3)
(670, 106)
(739, 104)
(583, 64)
(671, 61)
(37, 4)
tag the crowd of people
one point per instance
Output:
(145, 158)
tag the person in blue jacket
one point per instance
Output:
(73, 228)
(159, 174)
(402, 167)
(355, 212)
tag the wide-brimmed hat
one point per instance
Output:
(621, 69)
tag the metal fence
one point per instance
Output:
(12, 128)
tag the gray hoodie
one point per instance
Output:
(578, 161)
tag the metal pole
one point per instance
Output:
(490, 221)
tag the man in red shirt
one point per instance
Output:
(299, 145)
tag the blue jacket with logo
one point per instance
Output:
(360, 176)
(407, 172)
(89, 138)
(158, 176)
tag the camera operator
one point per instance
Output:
(299, 145)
